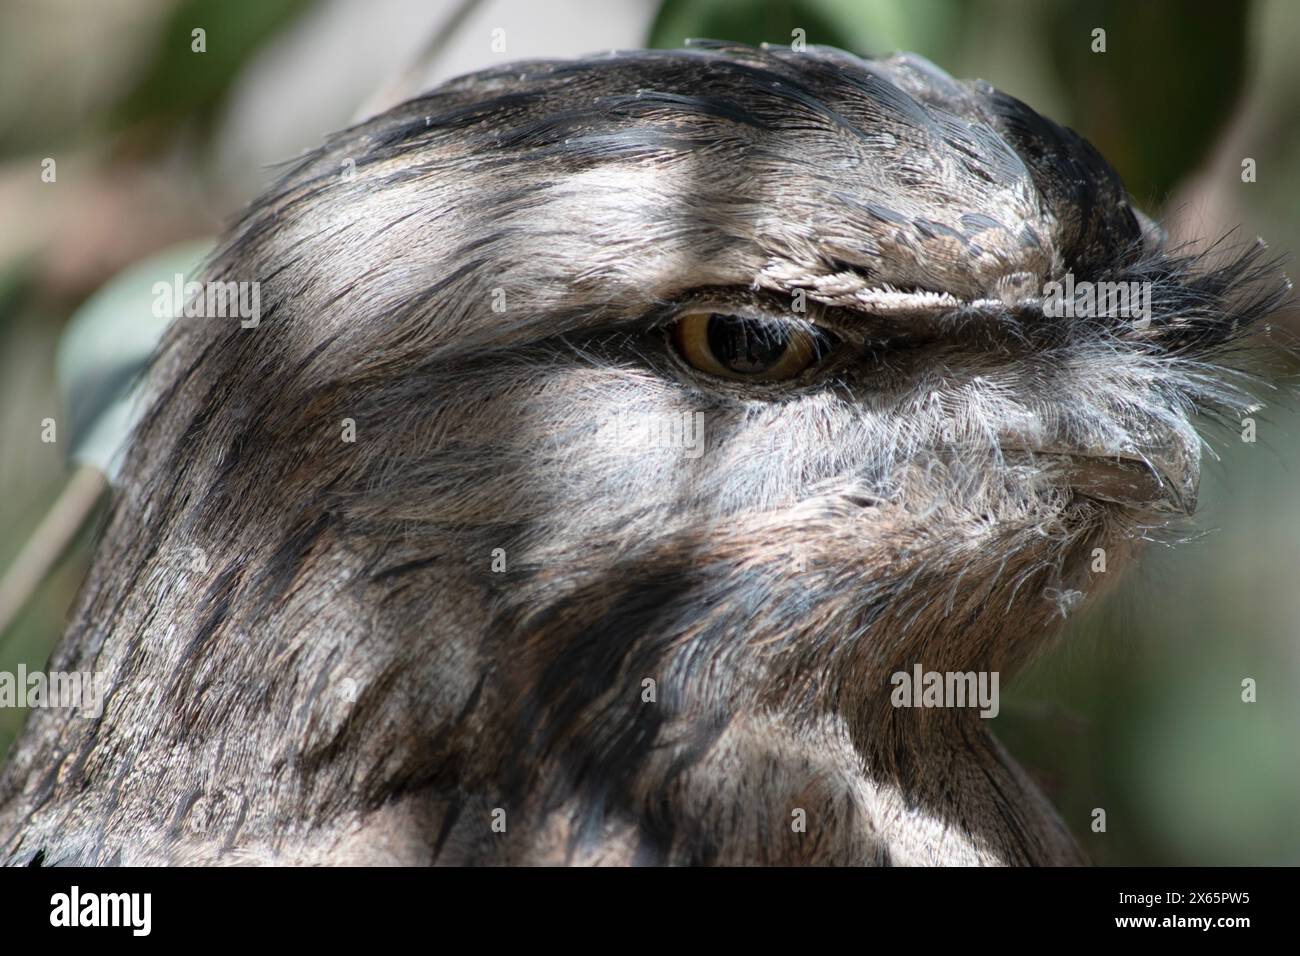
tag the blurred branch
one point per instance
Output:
(410, 80)
(48, 543)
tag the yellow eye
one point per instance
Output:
(745, 348)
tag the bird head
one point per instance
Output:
(748, 376)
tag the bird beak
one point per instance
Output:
(1153, 483)
(1161, 476)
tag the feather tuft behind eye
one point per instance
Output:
(748, 348)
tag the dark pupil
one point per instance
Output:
(745, 345)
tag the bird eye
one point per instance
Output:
(745, 347)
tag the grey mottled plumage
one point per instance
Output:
(351, 680)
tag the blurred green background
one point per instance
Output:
(1139, 712)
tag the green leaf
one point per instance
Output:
(105, 347)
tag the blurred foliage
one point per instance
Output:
(106, 348)
(179, 86)
(1153, 134)
(860, 26)
(750, 22)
